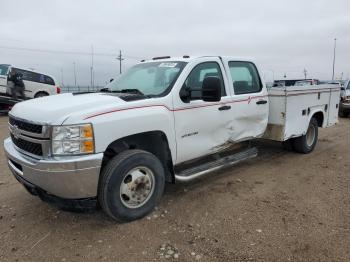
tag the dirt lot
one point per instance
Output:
(280, 206)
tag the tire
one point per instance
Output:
(288, 144)
(124, 193)
(40, 94)
(306, 143)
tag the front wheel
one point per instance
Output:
(306, 143)
(131, 185)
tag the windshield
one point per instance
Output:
(3, 69)
(151, 79)
(348, 86)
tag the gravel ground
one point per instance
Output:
(280, 206)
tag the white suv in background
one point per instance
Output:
(36, 84)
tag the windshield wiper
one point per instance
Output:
(131, 91)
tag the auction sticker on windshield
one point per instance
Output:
(167, 64)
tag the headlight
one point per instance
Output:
(73, 140)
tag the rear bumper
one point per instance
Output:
(67, 178)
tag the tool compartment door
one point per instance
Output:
(333, 106)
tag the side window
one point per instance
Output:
(197, 75)
(35, 77)
(28, 76)
(17, 70)
(47, 80)
(245, 77)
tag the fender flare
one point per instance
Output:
(320, 116)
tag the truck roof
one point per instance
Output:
(187, 58)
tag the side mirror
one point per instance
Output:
(185, 94)
(111, 80)
(211, 89)
(342, 88)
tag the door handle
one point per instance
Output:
(261, 102)
(224, 108)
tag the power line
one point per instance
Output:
(64, 52)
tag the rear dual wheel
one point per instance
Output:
(306, 144)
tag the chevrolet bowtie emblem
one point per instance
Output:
(16, 132)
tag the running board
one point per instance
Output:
(198, 171)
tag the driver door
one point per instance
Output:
(201, 127)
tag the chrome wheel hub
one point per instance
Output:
(137, 187)
(310, 135)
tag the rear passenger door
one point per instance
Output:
(251, 107)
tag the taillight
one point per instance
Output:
(58, 90)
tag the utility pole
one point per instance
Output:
(62, 77)
(92, 69)
(305, 73)
(335, 46)
(120, 58)
(75, 76)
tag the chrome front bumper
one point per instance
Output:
(66, 177)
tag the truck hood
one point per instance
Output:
(56, 109)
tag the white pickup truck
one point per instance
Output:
(164, 120)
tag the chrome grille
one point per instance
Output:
(30, 147)
(29, 127)
(30, 138)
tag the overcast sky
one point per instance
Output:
(283, 36)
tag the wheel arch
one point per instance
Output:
(41, 92)
(155, 142)
(319, 116)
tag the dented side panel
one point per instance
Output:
(203, 129)
(274, 132)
